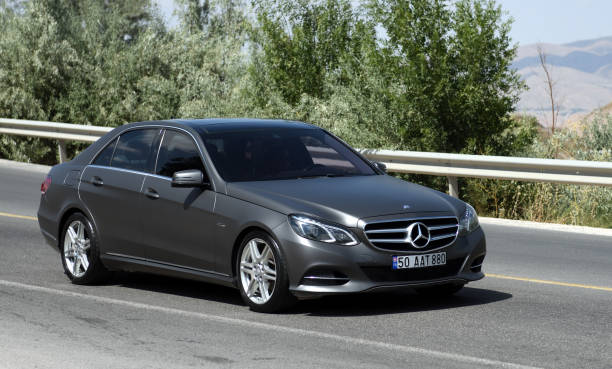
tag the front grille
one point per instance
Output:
(393, 234)
(386, 274)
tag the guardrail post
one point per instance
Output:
(453, 187)
(61, 148)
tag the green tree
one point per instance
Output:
(299, 44)
(53, 59)
(454, 65)
(194, 14)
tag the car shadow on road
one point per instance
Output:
(343, 305)
(396, 302)
(179, 287)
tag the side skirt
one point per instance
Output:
(137, 264)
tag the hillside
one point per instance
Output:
(583, 74)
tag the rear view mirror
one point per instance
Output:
(380, 166)
(189, 178)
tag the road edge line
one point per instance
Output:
(279, 328)
(556, 227)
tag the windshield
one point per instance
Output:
(269, 153)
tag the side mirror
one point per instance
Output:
(189, 178)
(380, 166)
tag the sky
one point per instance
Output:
(558, 21)
(546, 21)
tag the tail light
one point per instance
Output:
(45, 185)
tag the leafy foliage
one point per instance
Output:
(428, 75)
(453, 64)
(546, 202)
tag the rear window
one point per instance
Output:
(132, 150)
(269, 153)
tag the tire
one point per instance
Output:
(80, 253)
(261, 273)
(442, 290)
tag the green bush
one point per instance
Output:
(441, 80)
(546, 202)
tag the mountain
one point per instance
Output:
(583, 74)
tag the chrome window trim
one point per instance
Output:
(362, 224)
(130, 171)
(149, 126)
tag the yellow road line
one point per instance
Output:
(565, 284)
(17, 216)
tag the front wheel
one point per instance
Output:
(79, 251)
(262, 274)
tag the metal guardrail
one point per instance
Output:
(62, 132)
(579, 172)
(452, 166)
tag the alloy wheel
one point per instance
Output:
(258, 271)
(76, 246)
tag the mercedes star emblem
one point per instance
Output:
(418, 235)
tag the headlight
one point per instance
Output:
(469, 220)
(318, 231)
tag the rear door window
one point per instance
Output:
(178, 152)
(133, 149)
(105, 156)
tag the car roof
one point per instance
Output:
(222, 124)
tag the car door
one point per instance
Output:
(178, 223)
(111, 188)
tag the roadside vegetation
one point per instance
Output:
(547, 202)
(426, 75)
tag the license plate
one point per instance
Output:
(419, 261)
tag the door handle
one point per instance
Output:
(97, 181)
(151, 193)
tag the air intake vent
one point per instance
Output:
(323, 277)
(477, 264)
(394, 234)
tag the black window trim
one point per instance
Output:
(155, 150)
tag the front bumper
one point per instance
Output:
(317, 268)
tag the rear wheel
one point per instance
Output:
(262, 274)
(79, 251)
(441, 290)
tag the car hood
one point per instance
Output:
(344, 200)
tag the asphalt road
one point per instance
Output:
(553, 317)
